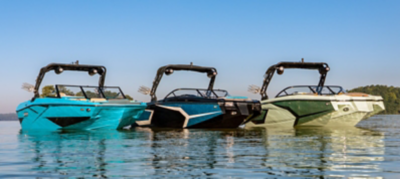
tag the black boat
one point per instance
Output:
(197, 108)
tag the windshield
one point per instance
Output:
(113, 93)
(89, 92)
(310, 90)
(199, 93)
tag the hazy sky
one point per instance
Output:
(359, 39)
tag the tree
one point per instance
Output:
(389, 94)
(112, 95)
(66, 91)
(115, 95)
(128, 97)
(89, 94)
(48, 91)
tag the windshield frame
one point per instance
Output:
(312, 87)
(213, 91)
(100, 90)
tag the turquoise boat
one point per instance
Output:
(74, 107)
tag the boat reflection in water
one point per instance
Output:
(104, 153)
(143, 152)
(243, 153)
(332, 152)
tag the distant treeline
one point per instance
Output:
(8, 117)
(390, 95)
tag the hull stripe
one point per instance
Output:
(334, 100)
(204, 114)
(81, 105)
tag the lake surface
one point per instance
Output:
(372, 149)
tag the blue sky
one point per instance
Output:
(359, 39)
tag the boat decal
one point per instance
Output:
(178, 109)
(32, 110)
(67, 121)
(204, 114)
(260, 119)
(298, 117)
(148, 121)
(40, 115)
(312, 114)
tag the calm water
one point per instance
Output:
(371, 150)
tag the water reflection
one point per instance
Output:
(294, 152)
(86, 154)
(201, 153)
(326, 151)
(185, 152)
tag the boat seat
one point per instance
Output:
(357, 94)
(97, 99)
(234, 99)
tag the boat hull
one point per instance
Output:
(61, 114)
(198, 115)
(316, 111)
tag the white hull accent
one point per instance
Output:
(178, 109)
(276, 118)
(148, 122)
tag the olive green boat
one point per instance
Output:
(312, 105)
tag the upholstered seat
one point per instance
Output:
(357, 94)
(97, 99)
